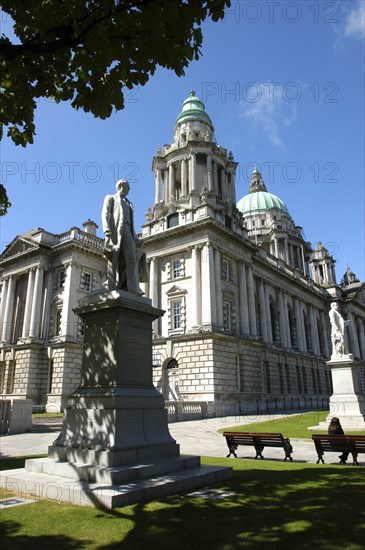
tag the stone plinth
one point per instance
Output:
(115, 447)
(346, 402)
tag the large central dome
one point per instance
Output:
(259, 199)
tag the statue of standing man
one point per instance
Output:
(120, 241)
(338, 325)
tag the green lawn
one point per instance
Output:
(275, 505)
(290, 426)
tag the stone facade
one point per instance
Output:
(43, 277)
(246, 298)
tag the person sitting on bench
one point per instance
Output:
(335, 428)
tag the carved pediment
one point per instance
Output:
(176, 291)
(18, 247)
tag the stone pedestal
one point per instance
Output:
(346, 402)
(114, 447)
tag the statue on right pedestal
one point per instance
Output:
(338, 325)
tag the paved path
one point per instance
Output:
(197, 437)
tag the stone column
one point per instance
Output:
(286, 247)
(3, 301)
(153, 289)
(244, 311)
(209, 172)
(325, 335)
(354, 342)
(303, 260)
(361, 332)
(286, 317)
(276, 247)
(263, 320)
(68, 318)
(35, 320)
(282, 320)
(208, 285)
(224, 184)
(251, 302)
(218, 287)
(171, 182)
(192, 171)
(269, 331)
(9, 309)
(195, 298)
(28, 303)
(48, 302)
(298, 324)
(313, 330)
(166, 185)
(184, 191)
(157, 185)
(215, 177)
(233, 187)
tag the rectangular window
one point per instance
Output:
(50, 375)
(11, 377)
(58, 319)
(61, 279)
(2, 376)
(173, 220)
(86, 280)
(176, 269)
(176, 314)
(225, 270)
(227, 316)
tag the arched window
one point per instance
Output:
(171, 378)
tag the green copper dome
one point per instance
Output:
(193, 109)
(260, 201)
(258, 198)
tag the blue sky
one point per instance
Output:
(283, 83)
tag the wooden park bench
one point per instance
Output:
(353, 444)
(259, 441)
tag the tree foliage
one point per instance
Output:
(88, 51)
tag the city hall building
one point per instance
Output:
(246, 298)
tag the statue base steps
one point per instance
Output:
(115, 447)
(90, 485)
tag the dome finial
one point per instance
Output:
(192, 93)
